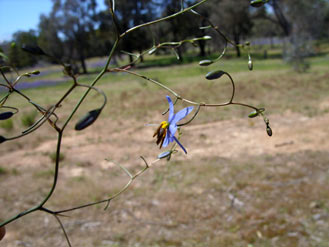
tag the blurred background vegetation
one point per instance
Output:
(74, 30)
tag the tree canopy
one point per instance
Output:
(75, 29)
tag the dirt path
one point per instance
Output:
(230, 138)
(291, 133)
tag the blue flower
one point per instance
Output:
(165, 133)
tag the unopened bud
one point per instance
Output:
(205, 62)
(250, 65)
(258, 3)
(214, 74)
(269, 130)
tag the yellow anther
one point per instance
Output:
(164, 124)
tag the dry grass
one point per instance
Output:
(236, 187)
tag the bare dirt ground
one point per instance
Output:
(236, 186)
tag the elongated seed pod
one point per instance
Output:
(214, 74)
(87, 119)
(6, 115)
(205, 62)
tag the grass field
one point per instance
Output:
(236, 187)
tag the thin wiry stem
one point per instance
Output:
(131, 179)
(162, 19)
(99, 76)
(63, 229)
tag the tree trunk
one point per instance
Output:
(131, 58)
(141, 56)
(237, 42)
(202, 46)
(284, 24)
(83, 64)
(202, 43)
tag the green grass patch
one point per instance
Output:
(3, 171)
(289, 90)
(28, 118)
(44, 174)
(53, 156)
(7, 125)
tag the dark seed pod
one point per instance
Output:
(253, 114)
(35, 72)
(205, 62)
(2, 139)
(269, 130)
(88, 119)
(214, 74)
(258, 3)
(6, 115)
(33, 49)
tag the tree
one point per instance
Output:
(48, 36)
(185, 26)
(132, 13)
(302, 21)
(300, 15)
(18, 57)
(237, 22)
(75, 21)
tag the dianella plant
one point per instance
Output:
(167, 133)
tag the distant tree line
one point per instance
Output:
(74, 30)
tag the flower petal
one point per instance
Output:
(181, 114)
(171, 108)
(166, 140)
(172, 129)
(180, 144)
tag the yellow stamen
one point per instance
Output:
(164, 124)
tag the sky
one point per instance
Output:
(23, 15)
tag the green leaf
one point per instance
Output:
(214, 74)
(88, 119)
